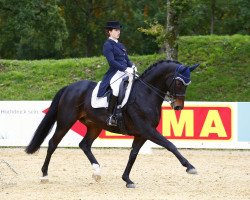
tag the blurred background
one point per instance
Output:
(45, 29)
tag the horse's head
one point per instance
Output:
(178, 85)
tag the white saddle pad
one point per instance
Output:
(102, 102)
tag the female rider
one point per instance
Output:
(119, 67)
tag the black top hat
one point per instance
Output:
(113, 24)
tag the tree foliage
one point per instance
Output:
(86, 20)
(31, 29)
(35, 29)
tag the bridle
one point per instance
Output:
(163, 95)
(171, 95)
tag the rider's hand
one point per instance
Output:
(134, 67)
(129, 70)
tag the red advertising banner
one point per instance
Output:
(198, 123)
(191, 123)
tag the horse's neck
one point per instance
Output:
(157, 77)
(155, 83)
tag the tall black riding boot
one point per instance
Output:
(112, 121)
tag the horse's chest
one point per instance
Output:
(153, 115)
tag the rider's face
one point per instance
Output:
(115, 33)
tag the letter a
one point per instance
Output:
(213, 117)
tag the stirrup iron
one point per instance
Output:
(112, 121)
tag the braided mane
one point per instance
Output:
(155, 64)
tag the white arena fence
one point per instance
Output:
(219, 125)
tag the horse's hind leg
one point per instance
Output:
(85, 145)
(53, 143)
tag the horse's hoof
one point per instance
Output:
(97, 172)
(44, 179)
(192, 171)
(130, 185)
(96, 177)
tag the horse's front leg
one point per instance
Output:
(159, 139)
(137, 144)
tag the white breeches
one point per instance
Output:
(116, 80)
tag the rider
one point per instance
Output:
(119, 67)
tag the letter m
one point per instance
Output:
(184, 124)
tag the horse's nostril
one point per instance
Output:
(178, 107)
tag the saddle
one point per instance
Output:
(124, 92)
(102, 102)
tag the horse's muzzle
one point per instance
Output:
(178, 104)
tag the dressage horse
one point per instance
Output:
(141, 114)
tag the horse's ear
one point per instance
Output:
(192, 68)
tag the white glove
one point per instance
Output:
(129, 70)
(134, 67)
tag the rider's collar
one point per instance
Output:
(113, 39)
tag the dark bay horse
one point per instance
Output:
(141, 114)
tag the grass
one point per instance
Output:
(224, 74)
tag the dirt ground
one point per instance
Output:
(221, 175)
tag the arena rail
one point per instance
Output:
(219, 125)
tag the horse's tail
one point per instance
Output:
(46, 124)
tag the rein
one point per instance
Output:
(166, 96)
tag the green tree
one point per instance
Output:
(143, 14)
(31, 29)
(199, 17)
(232, 17)
(218, 17)
(86, 19)
(169, 36)
(34, 29)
